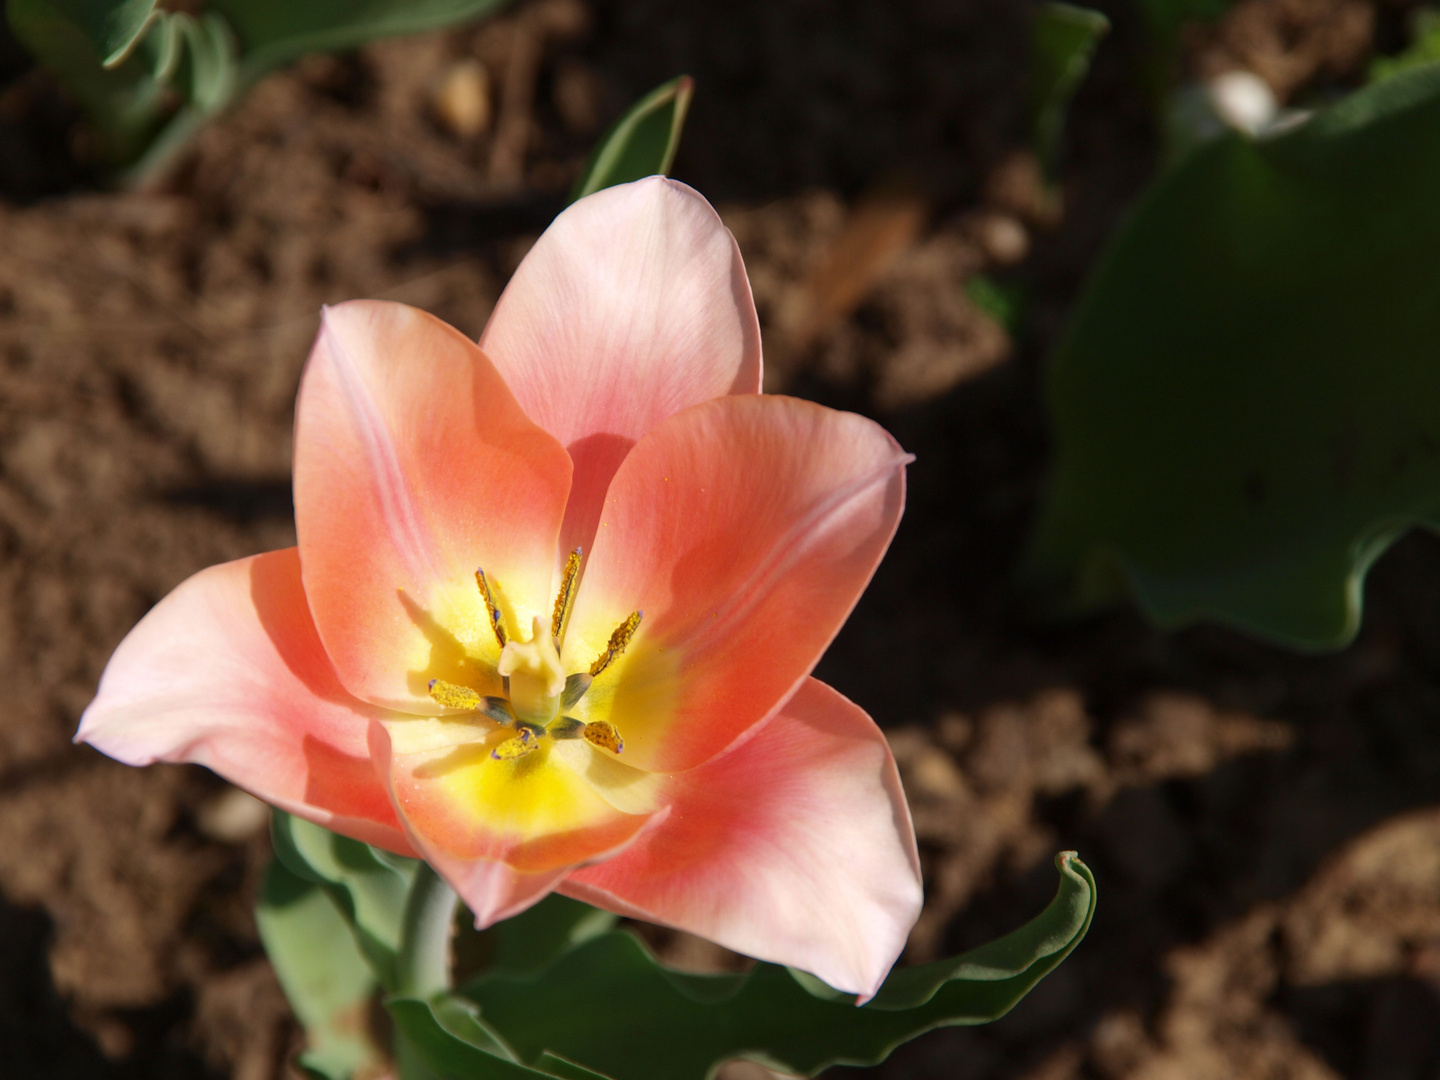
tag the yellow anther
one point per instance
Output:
(618, 640)
(604, 735)
(526, 742)
(497, 621)
(454, 697)
(536, 677)
(565, 595)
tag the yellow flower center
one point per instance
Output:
(536, 686)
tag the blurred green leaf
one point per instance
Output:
(1004, 303)
(327, 981)
(148, 79)
(1165, 18)
(371, 887)
(1063, 41)
(275, 32)
(1247, 405)
(112, 26)
(642, 142)
(1424, 46)
(152, 80)
(609, 1006)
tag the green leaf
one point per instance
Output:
(147, 79)
(371, 887)
(142, 92)
(537, 937)
(1166, 17)
(327, 981)
(642, 142)
(1002, 302)
(444, 1038)
(112, 27)
(1424, 46)
(275, 32)
(1063, 41)
(1247, 405)
(593, 1004)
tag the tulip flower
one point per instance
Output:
(554, 604)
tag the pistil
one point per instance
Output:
(536, 679)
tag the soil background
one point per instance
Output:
(1265, 827)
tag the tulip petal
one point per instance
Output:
(633, 305)
(796, 847)
(499, 867)
(228, 672)
(414, 466)
(745, 529)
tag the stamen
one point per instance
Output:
(618, 640)
(605, 735)
(462, 697)
(566, 593)
(526, 741)
(497, 622)
(498, 709)
(575, 687)
(567, 727)
(454, 697)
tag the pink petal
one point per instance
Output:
(497, 875)
(413, 467)
(745, 529)
(795, 847)
(633, 305)
(228, 672)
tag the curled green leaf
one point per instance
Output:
(587, 1007)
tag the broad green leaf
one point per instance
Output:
(642, 142)
(371, 887)
(318, 963)
(537, 937)
(1063, 41)
(445, 1039)
(611, 1008)
(275, 32)
(1247, 404)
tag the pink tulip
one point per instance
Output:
(636, 727)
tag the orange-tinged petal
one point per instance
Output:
(414, 466)
(745, 529)
(633, 305)
(228, 672)
(501, 851)
(795, 847)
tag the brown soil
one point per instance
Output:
(1264, 826)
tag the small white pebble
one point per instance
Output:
(1242, 100)
(232, 817)
(1003, 238)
